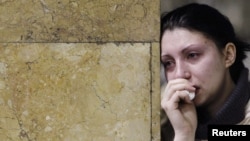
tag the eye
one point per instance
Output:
(192, 55)
(168, 64)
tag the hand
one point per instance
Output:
(180, 109)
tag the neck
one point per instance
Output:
(228, 88)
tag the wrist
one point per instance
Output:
(186, 137)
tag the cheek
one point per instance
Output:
(168, 76)
(208, 76)
(208, 70)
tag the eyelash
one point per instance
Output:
(167, 64)
(192, 55)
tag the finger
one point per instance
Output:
(180, 96)
(174, 102)
(177, 85)
(181, 84)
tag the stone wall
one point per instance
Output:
(79, 70)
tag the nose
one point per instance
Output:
(182, 70)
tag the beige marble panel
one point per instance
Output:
(156, 90)
(79, 92)
(79, 20)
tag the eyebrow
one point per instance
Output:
(193, 46)
(186, 48)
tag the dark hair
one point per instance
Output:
(210, 22)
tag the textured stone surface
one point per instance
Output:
(79, 92)
(79, 20)
(156, 90)
(79, 70)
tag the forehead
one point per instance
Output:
(179, 38)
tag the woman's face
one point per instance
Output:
(190, 55)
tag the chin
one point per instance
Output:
(198, 102)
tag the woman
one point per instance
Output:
(202, 55)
